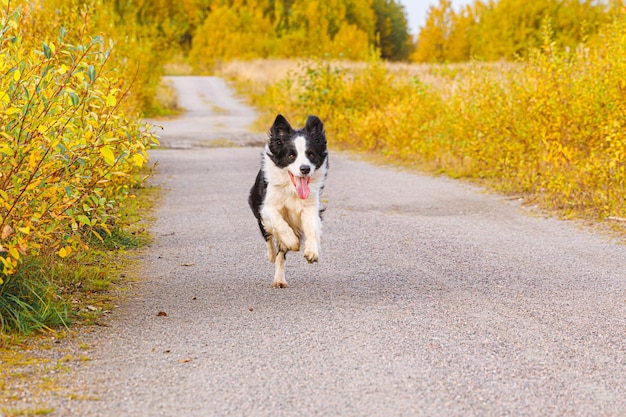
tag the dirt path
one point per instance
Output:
(430, 298)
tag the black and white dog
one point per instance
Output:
(285, 198)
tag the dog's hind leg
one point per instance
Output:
(279, 272)
(271, 249)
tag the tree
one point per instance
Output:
(232, 32)
(392, 30)
(432, 39)
(504, 29)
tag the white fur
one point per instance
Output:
(289, 218)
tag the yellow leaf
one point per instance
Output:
(6, 149)
(111, 100)
(139, 159)
(97, 235)
(16, 75)
(4, 97)
(12, 110)
(15, 254)
(33, 184)
(33, 161)
(25, 230)
(108, 155)
(64, 252)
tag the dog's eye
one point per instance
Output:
(310, 155)
(292, 156)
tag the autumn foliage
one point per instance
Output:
(345, 29)
(491, 30)
(70, 147)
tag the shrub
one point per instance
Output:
(554, 127)
(68, 152)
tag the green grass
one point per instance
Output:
(28, 412)
(48, 292)
(29, 300)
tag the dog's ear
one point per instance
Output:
(280, 129)
(315, 128)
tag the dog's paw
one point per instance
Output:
(311, 254)
(279, 284)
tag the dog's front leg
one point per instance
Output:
(312, 228)
(275, 225)
(279, 272)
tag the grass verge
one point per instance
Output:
(56, 301)
(49, 292)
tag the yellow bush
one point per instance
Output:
(68, 151)
(554, 127)
(138, 49)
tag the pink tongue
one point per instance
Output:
(302, 186)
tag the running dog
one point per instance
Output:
(285, 197)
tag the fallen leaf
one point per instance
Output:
(162, 314)
(187, 264)
(184, 360)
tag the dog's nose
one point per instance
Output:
(305, 169)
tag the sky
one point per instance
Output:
(417, 10)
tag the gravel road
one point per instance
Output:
(431, 298)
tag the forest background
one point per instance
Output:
(528, 98)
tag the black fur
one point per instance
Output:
(256, 198)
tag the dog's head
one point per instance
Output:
(300, 152)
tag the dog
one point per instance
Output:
(285, 197)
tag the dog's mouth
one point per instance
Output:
(301, 184)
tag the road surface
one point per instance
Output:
(431, 298)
